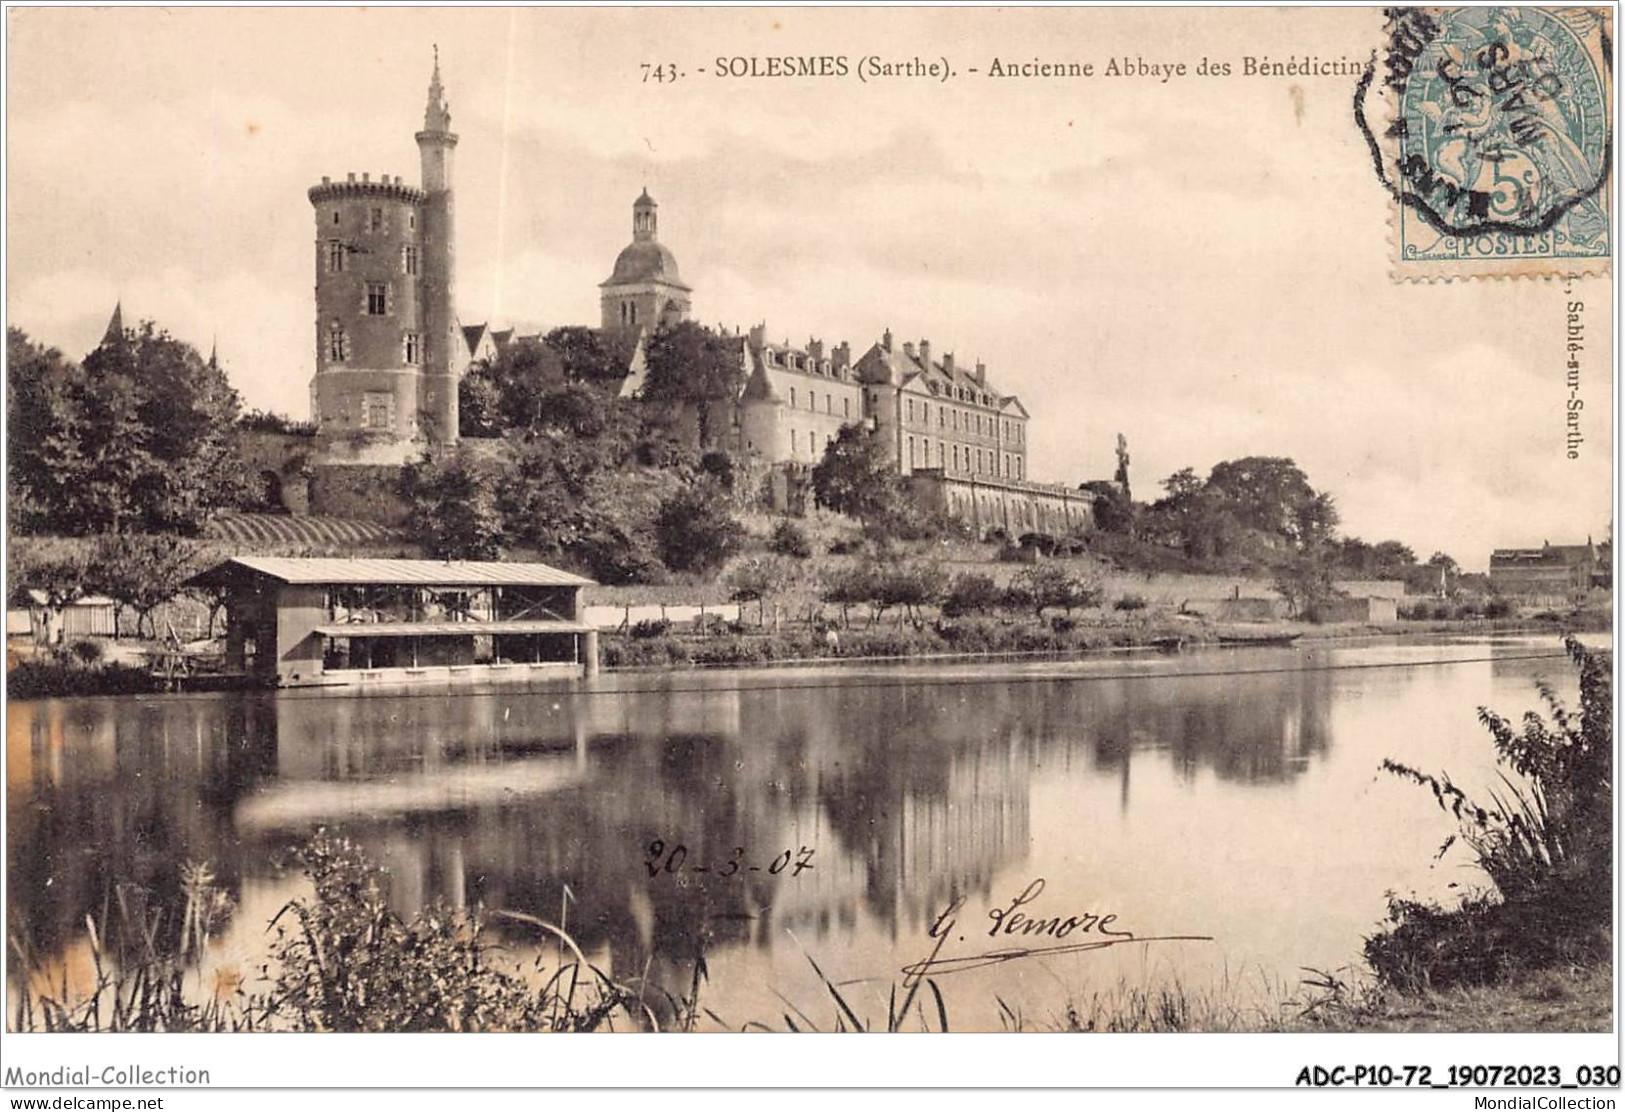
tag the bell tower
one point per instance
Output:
(645, 291)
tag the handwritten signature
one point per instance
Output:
(1089, 931)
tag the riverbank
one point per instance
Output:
(1579, 999)
(45, 676)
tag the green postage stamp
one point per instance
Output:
(1491, 128)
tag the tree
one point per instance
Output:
(452, 506)
(910, 586)
(757, 579)
(693, 529)
(1193, 517)
(1305, 581)
(856, 477)
(970, 593)
(1113, 508)
(143, 571)
(846, 586)
(1392, 556)
(1271, 494)
(479, 403)
(590, 355)
(688, 364)
(142, 435)
(186, 411)
(59, 570)
(1051, 586)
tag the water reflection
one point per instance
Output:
(908, 793)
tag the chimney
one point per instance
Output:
(925, 353)
(981, 373)
(815, 350)
(885, 340)
(366, 177)
(352, 177)
(758, 336)
(841, 356)
(948, 362)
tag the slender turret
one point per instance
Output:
(437, 144)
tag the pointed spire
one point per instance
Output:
(437, 116)
(214, 353)
(115, 325)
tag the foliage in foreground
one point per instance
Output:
(1545, 840)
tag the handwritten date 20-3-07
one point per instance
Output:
(664, 861)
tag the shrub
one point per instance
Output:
(1498, 608)
(790, 539)
(1130, 602)
(87, 652)
(1040, 542)
(651, 627)
(1544, 840)
(846, 547)
(710, 625)
(38, 679)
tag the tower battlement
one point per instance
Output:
(388, 188)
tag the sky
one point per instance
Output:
(1201, 264)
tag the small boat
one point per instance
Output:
(1258, 640)
(1172, 644)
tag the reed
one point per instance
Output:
(1543, 837)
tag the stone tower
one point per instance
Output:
(386, 380)
(645, 290)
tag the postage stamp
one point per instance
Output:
(1491, 129)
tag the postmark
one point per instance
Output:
(1491, 129)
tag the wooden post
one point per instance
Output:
(590, 651)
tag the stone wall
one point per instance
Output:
(280, 465)
(363, 492)
(1008, 505)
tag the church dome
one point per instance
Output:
(645, 260)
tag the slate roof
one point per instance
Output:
(437, 573)
(645, 260)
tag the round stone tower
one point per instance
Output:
(386, 374)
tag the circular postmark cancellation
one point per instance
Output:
(1490, 128)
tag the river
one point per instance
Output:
(831, 813)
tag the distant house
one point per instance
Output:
(320, 622)
(1550, 570)
(91, 616)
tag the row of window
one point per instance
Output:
(975, 460)
(829, 403)
(378, 219)
(812, 441)
(338, 345)
(795, 361)
(337, 252)
(983, 425)
(961, 393)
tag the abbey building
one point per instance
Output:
(390, 351)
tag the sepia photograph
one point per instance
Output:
(762, 520)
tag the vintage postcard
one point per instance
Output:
(717, 521)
